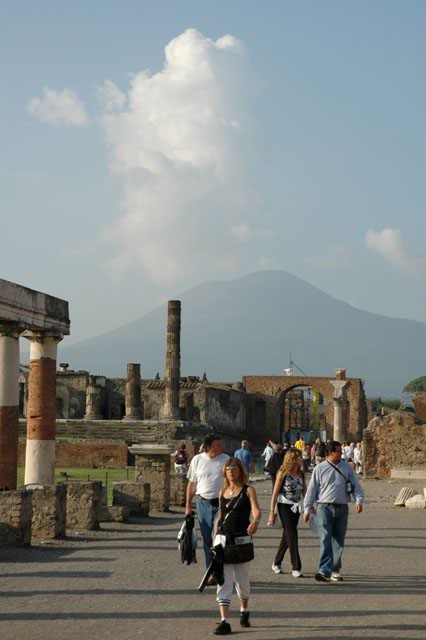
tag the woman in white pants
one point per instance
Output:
(236, 501)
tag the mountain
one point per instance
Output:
(250, 325)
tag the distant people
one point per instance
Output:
(358, 458)
(245, 455)
(268, 451)
(332, 485)
(237, 501)
(288, 497)
(205, 481)
(275, 463)
(286, 446)
(181, 459)
(306, 457)
(348, 452)
(300, 443)
(318, 451)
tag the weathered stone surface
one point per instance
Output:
(135, 496)
(178, 485)
(416, 502)
(49, 512)
(114, 514)
(153, 466)
(83, 504)
(15, 517)
(404, 495)
(392, 442)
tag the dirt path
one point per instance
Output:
(126, 582)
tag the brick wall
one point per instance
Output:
(86, 455)
(393, 441)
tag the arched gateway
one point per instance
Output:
(343, 402)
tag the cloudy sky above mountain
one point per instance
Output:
(144, 155)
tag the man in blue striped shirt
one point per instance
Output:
(332, 486)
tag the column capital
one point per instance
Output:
(10, 329)
(339, 388)
(40, 335)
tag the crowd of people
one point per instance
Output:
(229, 515)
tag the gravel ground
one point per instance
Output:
(126, 581)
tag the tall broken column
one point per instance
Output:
(172, 377)
(133, 392)
(95, 385)
(339, 397)
(9, 404)
(41, 419)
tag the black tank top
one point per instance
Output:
(239, 509)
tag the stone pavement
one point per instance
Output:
(126, 581)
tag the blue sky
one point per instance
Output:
(296, 143)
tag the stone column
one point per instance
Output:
(41, 418)
(133, 392)
(93, 400)
(339, 396)
(9, 404)
(172, 377)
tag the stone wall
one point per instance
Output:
(134, 496)
(49, 512)
(393, 441)
(83, 504)
(178, 484)
(85, 455)
(15, 517)
(419, 401)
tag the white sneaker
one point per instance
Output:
(276, 568)
(297, 574)
(336, 577)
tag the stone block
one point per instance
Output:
(83, 504)
(135, 496)
(49, 512)
(114, 514)
(404, 495)
(416, 502)
(15, 517)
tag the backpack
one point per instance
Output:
(181, 457)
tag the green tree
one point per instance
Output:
(416, 385)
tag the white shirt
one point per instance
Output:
(207, 474)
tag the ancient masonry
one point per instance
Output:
(43, 320)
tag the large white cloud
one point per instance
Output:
(180, 140)
(388, 244)
(59, 108)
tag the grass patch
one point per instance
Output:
(106, 476)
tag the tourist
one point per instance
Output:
(300, 443)
(358, 458)
(332, 485)
(318, 451)
(348, 453)
(181, 459)
(306, 457)
(268, 451)
(275, 463)
(237, 501)
(244, 454)
(288, 496)
(205, 481)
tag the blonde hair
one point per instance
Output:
(289, 459)
(243, 475)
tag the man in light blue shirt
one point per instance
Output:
(245, 456)
(332, 486)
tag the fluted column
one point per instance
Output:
(172, 377)
(133, 392)
(41, 417)
(9, 404)
(93, 400)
